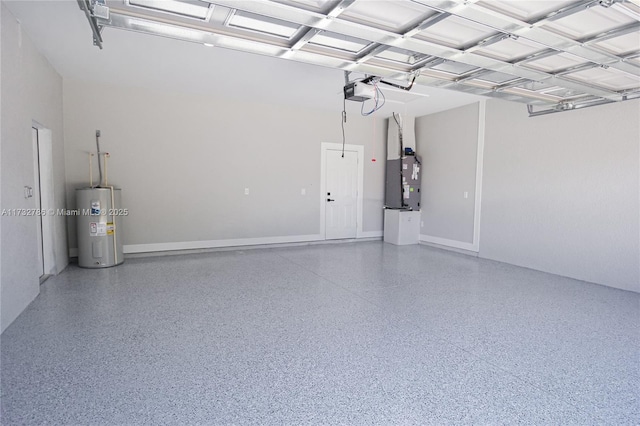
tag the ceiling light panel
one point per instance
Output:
(455, 32)
(190, 9)
(510, 49)
(524, 10)
(589, 22)
(620, 45)
(556, 62)
(262, 24)
(339, 42)
(395, 16)
(609, 78)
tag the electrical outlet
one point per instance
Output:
(303, 191)
(246, 191)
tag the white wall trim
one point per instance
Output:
(371, 234)
(240, 242)
(190, 245)
(449, 243)
(475, 245)
(210, 244)
(482, 108)
(43, 169)
(359, 149)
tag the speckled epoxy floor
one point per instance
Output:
(358, 333)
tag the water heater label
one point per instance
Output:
(93, 229)
(101, 230)
(95, 207)
(110, 228)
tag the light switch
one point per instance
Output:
(246, 191)
(466, 194)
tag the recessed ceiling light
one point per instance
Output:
(208, 44)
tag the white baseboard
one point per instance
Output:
(370, 234)
(449, 243)
(191, 245)
(240, 242)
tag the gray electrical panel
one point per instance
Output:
(403, 183)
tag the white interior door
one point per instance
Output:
(341, 204)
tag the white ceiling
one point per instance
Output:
(61, 32)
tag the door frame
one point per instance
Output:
(43, 170)
(359, 150)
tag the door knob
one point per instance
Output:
(329, 199)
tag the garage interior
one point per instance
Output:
(252, 290)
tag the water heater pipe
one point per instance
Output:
(113, 208)
(105, 156)
(90, 170)
(115, 229)
(98, 146)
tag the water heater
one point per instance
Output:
(99, 227)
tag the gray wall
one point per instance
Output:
(447, 142)
(561, 191)
(31, 90)
(184, 160)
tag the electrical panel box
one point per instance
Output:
(359, 92)
(403, 183)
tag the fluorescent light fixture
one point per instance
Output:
(262, 24)
(208, 44)
(198, 10)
